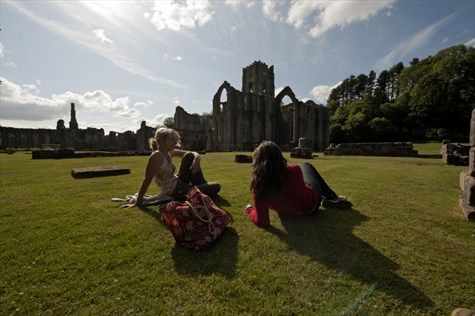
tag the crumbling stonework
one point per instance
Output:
(247, 117)
(455, 154)
(238, 123)
(302, 151)
(467, 178)
(194, 129)
(76, 138)
(396, 149)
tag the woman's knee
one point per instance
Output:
(210, 188)
(189, 156)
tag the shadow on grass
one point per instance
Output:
(220, 201)
(220, 259)
(327, 237)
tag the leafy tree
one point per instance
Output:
(169, 122)
(431, 99)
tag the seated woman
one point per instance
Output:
(161, 169)
(288, 189)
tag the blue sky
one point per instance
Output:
(122, 62)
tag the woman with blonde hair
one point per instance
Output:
(161, 169)
(288, 189)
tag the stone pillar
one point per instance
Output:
(467, 178)
(296, 126)
(239, 122)
(231, 121)
(255, 124)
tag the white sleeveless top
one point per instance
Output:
(165, 176)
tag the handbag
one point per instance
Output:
(197, 223)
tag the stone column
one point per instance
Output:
(255, 123)
(239, 121)
(467, 178)
(231, 122)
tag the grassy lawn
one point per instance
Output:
(428, 148)
(405, 248)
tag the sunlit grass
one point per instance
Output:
(432, 148)
(405, 248)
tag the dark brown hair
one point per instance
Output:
(269, 170)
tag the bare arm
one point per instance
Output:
(153, 163)
(195, 165)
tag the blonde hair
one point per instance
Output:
(161, 136)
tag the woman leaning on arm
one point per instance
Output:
(288, 189)
(161, 169)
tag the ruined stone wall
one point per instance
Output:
(11, 137)
(194, 129)
(396, 149)
(242, 121)
(143, 135)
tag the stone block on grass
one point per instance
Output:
(467, 185)
(243, 159)
(471, 161)
(468, 210)
(92, 172)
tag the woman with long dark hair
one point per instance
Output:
(288, 189)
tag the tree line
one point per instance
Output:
(431, 99)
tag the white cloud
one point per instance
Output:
(30, 88)
(174, 15)
(153, 122)
(38, 82)
(331, 14)
(269, 8)
(470, 43)
(11, 64)
(321, 93)
(239, 3)
(1, 50)
(412, 43)
(100, 34)
(24, 103)
(88, 40)
(130, 112)
(167, 56)
(143, 105)
(445, 39)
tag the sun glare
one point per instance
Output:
(107, 8)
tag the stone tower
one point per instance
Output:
(258, 78)
(73, 124)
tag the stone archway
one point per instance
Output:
(289, 118)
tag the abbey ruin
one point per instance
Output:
(242, 119)
(239, 121)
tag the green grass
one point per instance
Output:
(405, 248)
(428, 148)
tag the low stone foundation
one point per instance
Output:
(52, 153)
(69, 153)
(92, 172)
(455, 154)
(243, 159)
(392, 149)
